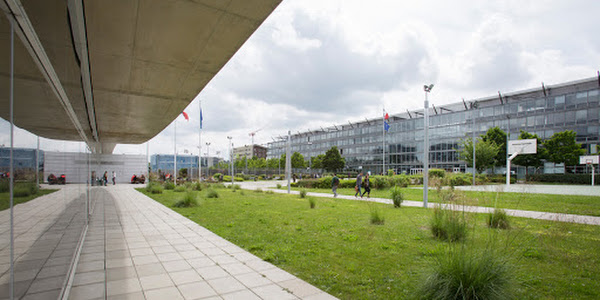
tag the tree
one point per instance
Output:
(317, 161)
(562, 148)
(297, 160)
(498, 137)
(273, 163)
(530, 160)
(257, 163)
(485, 153)
(333, 161)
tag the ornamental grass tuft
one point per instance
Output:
(189, 200)
(397, 196)
(448, 225)
(210, 193)
(498, 219)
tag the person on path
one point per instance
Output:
(105, 178)
(114, 177)
(335, 182)
(367, 186)
(358, 185)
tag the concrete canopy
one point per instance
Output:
(126, 68)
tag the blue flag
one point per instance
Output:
(200, 118)
(386, 126)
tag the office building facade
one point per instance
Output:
(543, 111)
(165, 162)
(250, 151)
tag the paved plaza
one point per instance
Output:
(135, 248)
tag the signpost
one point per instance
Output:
(517, 147)
(589, 160)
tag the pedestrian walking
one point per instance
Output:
(114, 177)
(367, 186)
(358, 185)
(105, 178)
(335, 182)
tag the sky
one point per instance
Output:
(314, 64)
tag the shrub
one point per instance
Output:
(498, 219)
(235, 187)
(448, 225)
(459, 179)
(278, 186)
(397, 196)
(217, 176)
(312, 202)
(270, 192)
(237, 178)
(210, 193)
(390, 172)
(563, 178)
(168, 185)
(380, 182)
(302, 193)
(179, 189)
(157, 189)
(440, 173)
(258, 190)
(188, 200)
(376, 215)
(24, 189)
(400, 180)
(466, 274)
(196, 186)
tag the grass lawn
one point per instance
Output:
(5, 198)
(579, 205)
(335, 248)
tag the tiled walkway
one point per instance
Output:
(137, 248)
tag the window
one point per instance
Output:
(560, 100)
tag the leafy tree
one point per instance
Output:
(183, 172)
(317, 161)
(498, 137)
(485, 153)
(240, 163)
(333, 160)
(562, 148)
(297, 160)
(257, 163)
(530, 160)
(273, 163)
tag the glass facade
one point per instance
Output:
(543, 111)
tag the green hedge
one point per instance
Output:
(564, 178)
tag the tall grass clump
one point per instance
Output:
(235, 187)
(156, 189)
(168, 185)
(189, 200)
(4, 185)
(448, 225)
(25, 189)
(498, 219)
(312, 202)
(210, 193)
(196, 186)
(397, 196)
(179, 189)
(302, 193)
(278, 186)
(377, 217)
(469, 274)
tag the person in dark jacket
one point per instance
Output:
(367, 186)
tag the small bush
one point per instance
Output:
(448, 225)
(258, 190)
(217, 176)
(188, 200)
(376, 215)
(312, 202)
(440, 173)
(465, 274)
(498, 219)
(302, 193)
(168, 185)
(278, 186)
(210, 193)
(196, 186)
(157, 189)
(270, 192)
(179, 189)
(397, 196)
(235, 187)
(24, 189)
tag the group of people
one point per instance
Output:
(104, 179)
(360, 183)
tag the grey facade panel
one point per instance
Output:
(75, 166)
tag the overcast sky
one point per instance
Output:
(319, 63)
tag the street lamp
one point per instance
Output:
(427, 89)
(231, 154)
(207, 156)
(474, 106)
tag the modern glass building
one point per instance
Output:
(164, 162)
(24, 158)
(542, 111)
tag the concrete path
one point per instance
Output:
(136, 248)
(540, 189)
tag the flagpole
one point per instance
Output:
(175, 153)
(200, 146)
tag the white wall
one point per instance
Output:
(74, 166)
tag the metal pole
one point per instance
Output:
(200, 148)
(288, 161)
(473, 143)
(37, 162)
(11, 286)
(592, 174)
(507, 154)
(175, 154)
(147, 160)
(383, 144)
(426, 151)
(207, 156)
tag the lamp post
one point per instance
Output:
(427, 89)
(231, 154)
(207, 156)
(309, 160)
(474, 106)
